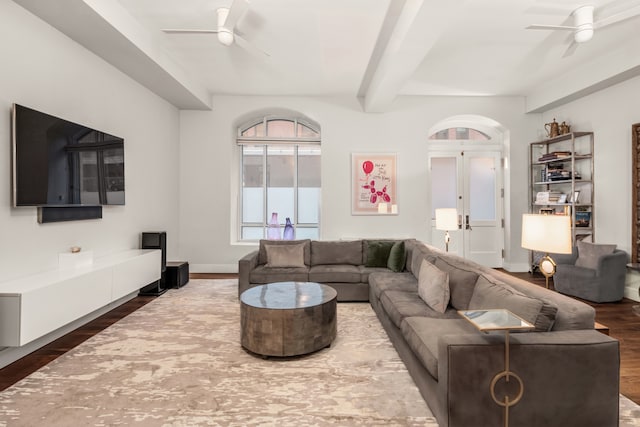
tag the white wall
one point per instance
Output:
(43, 69)
(209, 167)
(609, 114)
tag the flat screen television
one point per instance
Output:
(60, 163)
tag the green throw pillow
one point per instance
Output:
(378, 252)
(397, 257)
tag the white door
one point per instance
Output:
(471, 182)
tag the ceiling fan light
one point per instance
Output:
(583, 35)
(225, 37)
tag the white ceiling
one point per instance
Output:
(374, 49)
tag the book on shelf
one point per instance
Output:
(583, 219)
(544, 197)
(554, 155)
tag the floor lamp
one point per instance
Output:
(548, 234)
(446, 219)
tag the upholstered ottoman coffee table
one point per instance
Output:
(288, 318)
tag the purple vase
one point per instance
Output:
(289, 231)
(273, 229)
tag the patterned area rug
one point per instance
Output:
(177, 362)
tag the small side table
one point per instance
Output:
(503, 321)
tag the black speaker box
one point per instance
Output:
(177, 274)
(156, 240)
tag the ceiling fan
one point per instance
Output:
(584, 25)
(226, 29)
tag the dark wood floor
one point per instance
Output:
(623, 325)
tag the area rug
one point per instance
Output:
(177, 362)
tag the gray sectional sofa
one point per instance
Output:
(569, 370)
(344, 265)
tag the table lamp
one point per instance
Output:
(548, 234)
(446, 219)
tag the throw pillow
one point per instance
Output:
(262, 250)
(397, 257)
(285, 255)
(378, 252)
(489, 294)
(588, 254)
(433, 286)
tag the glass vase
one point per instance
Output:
(289, 231)
(273, 229)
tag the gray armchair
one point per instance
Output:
(596, 278)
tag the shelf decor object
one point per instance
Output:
(447, 220)
(289, 232)
(273, 228)
(549, 234)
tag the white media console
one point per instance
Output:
(33, 306)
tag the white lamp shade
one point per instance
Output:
(547, 233)
(446, 219)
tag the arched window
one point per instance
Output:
(280, 173)
(461, 133)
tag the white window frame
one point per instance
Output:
(267, 141)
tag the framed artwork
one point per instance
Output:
(373, 184)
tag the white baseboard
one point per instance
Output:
(9, 355)
(631, 293)
(516, 267)
(213, 268)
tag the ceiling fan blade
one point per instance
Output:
(250, 47)
(187, 31)
(618, 17)
(549, 27)
(237, 9)
(570, 49)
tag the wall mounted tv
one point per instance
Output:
(61, 163)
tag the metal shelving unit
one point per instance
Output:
(567, 172)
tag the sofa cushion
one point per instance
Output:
(336, 252)
(262, 251)
(380, 282)
(285, 255)
(588, 253)
(490, 294)
(462, 281)
(334, 273)
(397, 257)
(433, 286)
(377, 252)
(418, 253)
(400, 304)
(422, 335)
(262, 274)
(366, 271)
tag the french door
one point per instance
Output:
(471, 182)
